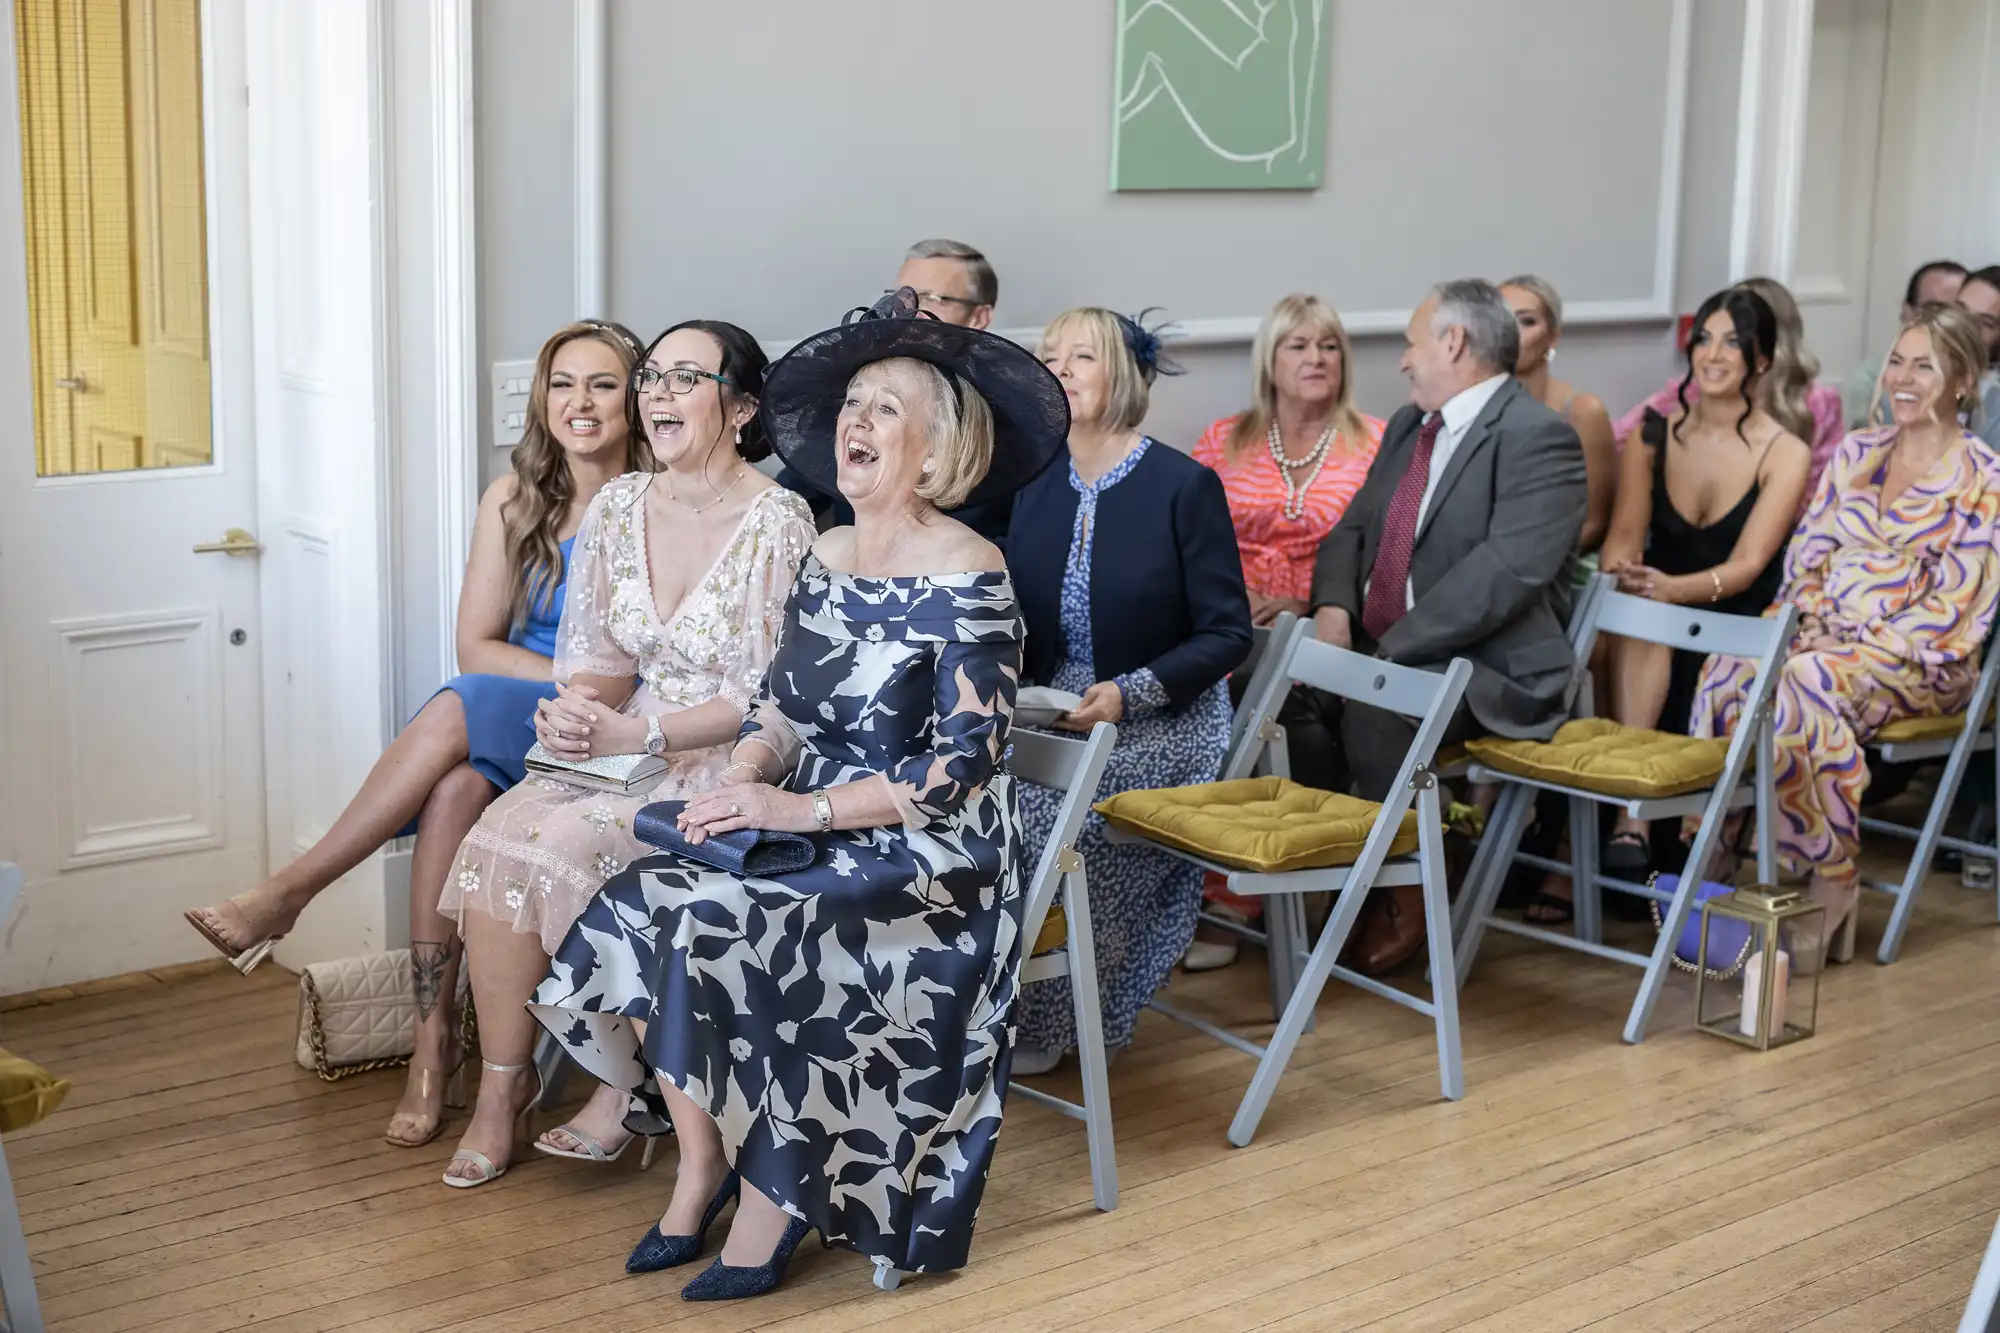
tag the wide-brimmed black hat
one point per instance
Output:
(803, 391)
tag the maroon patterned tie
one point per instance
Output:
(1388, 583)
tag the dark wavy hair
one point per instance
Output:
(543, 489)
(1756, 337)
(743, 365)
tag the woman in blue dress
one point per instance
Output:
(466, 745)
(1129, 578)
(831, 1043)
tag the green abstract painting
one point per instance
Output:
(1220, 95)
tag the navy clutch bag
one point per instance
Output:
(755, 853)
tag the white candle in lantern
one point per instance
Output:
(1753, 994)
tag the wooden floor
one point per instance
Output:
(197, 1180)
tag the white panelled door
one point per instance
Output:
(130, 663)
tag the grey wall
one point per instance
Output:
(771, 161)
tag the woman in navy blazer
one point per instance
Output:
(1125, 565)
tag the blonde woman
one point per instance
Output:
(1895, 572)
(1538, 311)
(831, 1042)
(464, 748)
(1289, 465)
(1126, 565)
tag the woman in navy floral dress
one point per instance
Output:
(834, 1041)
(1132, 588)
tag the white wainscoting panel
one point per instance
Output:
(139, 743)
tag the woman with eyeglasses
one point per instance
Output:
(674, 609)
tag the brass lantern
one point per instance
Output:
(1751, 989)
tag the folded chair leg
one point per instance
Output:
(1090, 1055)
(1437, 921)
(1927, 844)
(1285, 928)
(1587, 900)
(17, 1275)
(553, 1063)
(1503, 830)
(1298, 1011)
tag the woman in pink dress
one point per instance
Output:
(1289, 467)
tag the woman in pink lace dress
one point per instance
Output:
(676, 596)
(1790, 393)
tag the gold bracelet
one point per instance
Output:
(1716, 579)
(755, 772)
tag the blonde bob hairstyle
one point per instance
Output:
(1956, 346)
(961, 433)
(1289, 316)
(1128, 388)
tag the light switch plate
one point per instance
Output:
(511, 383)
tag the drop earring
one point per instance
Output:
(739, 435)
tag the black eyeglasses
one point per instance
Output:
(680, 380)
(939, 298)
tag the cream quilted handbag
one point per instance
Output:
(358, 1014)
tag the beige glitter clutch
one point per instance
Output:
(623, 774)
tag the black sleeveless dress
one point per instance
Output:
(1676, 546)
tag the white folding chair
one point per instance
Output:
(1918, 739)
(1762, 640)
(22, 1307)
(1432, 699)
(1073, 766)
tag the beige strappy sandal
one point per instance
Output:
(522, 1123)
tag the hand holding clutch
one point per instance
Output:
(754, 853)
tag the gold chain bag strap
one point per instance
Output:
(1714, 974)
(360, 1014)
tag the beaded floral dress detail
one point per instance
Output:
(541, 851)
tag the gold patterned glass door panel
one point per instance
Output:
(111, 135)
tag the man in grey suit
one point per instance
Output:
(1459, 544)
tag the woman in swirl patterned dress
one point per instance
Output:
(832, 1043)
(1133, 593)
(1289, 466)
(1896, 571)
(674, 606)
(464, 747)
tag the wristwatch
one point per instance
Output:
(823, 811)
(656, 737)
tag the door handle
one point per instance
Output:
(74, 383)
(234, 542)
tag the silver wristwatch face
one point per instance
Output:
(656, 739)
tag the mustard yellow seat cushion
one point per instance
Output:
(1912, 729)
(1055, 932)
(28, 1092)
(1599, 755)
(1266, 824)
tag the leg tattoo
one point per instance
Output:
(427, 966)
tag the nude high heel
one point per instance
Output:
(523, 1123)
(244, 960)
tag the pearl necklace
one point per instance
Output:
(1295, 489)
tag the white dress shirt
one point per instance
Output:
(1459, 413)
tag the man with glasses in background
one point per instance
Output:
(953, 282)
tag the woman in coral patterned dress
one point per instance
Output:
(1289, 467)
(1896, 571)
